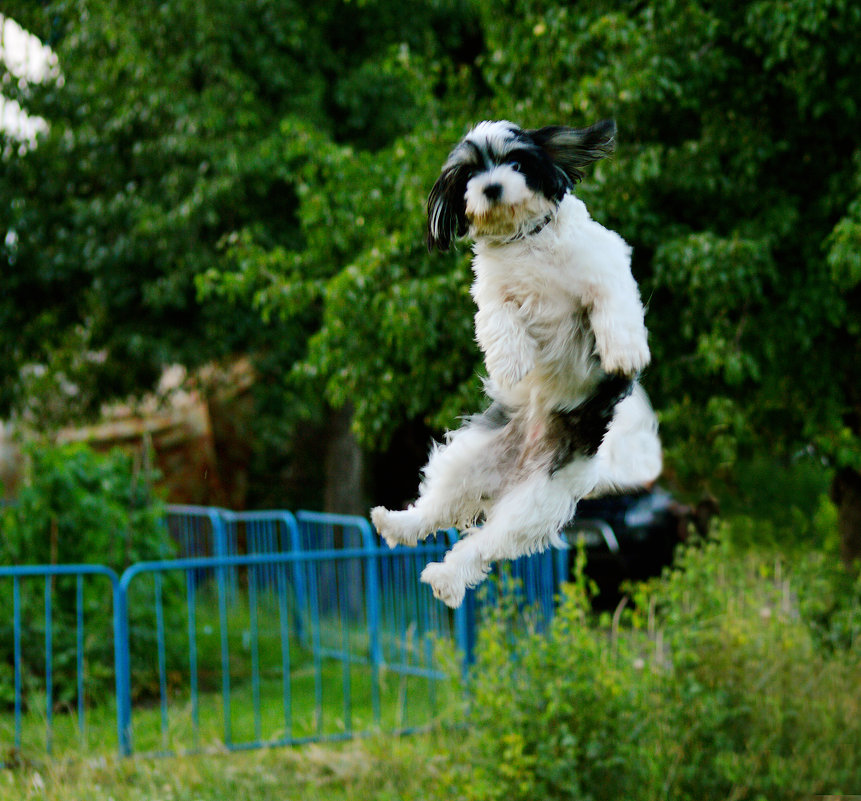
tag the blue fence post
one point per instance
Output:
(464, 621)
(373, 606)
(220, 573)
(16, 613)
(563, 555)
(464, 618)
(122, 669)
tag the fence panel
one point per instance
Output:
(56, 624)
(240, 673)
(199, 531)
(203, 531)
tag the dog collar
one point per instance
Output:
(537, 229)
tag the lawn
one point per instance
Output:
(383, 768)
(86, 767)
(406, 702)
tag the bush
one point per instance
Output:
(79, 506)
(720, 683)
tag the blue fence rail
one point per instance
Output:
(270, 629)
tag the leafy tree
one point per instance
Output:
(736, 180)
(169, 144)
(164, 138)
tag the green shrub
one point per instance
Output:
(722, 682)
(79, 506)
(755, 703)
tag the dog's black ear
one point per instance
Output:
(447, 209)
(572, 149)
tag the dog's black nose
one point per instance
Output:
(493, 191)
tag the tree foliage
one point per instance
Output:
(226, 175)
(165, 137)
(736, 180)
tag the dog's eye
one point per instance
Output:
(515, 165)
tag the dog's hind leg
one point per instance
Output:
(457, 480)
(524, 520)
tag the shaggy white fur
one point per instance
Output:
(558, 312)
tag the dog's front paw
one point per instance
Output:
(446, 586)
(626, 355)
(397, 528)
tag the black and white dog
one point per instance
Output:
(561, 326)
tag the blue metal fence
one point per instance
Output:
(269, 629)
(33, 594)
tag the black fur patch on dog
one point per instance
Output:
(580, 431)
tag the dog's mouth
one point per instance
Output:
(504, 219)
(496, 216)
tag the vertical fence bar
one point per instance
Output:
(225, 653)
(122, 668)
(221, 541)
(255, 651)
(191, 606)
(372, 581)
(344, 615)
(16, 615)
(286, 694)
(424, 615)
(300, 591)
(464, 620)
(80, 657)
(388, 588)
(49, 669)
(162, 661)
(316, 646)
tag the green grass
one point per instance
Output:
(346, 706)
(375, 769)
(405, 702)
(377, 766)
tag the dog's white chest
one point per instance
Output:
(535, 285)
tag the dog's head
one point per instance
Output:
(502, 181)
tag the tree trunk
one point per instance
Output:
(846, 494)
(344, 466)
(343, 495)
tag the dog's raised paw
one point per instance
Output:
(397, 528)
(381, 518)
(626, 352)
(445, 585)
